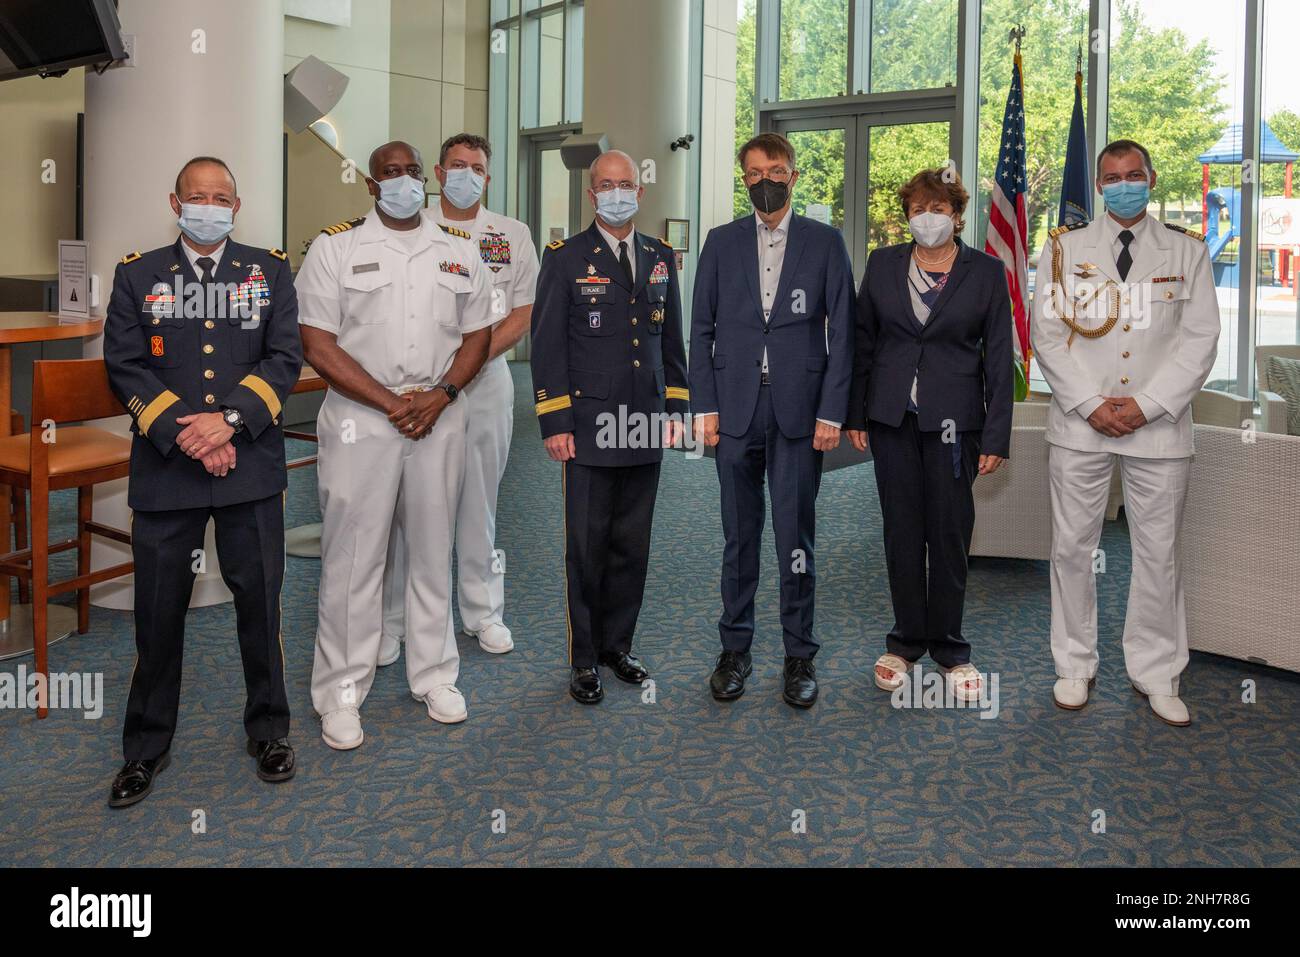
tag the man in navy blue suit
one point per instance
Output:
(770, 368)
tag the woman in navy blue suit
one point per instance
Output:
(932, 388)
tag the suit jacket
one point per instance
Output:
(607, 354)
(1160, 350)
(809, 336)
(164, 364)
(961, 357)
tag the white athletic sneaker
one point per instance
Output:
(341, 729)
(390, 649)
(445, 703)
(494, 639)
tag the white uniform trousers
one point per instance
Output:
(364, 483)
(480, 576)
(1155, 627)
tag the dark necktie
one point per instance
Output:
(207, 265)
(1125, 260)
(624, 261)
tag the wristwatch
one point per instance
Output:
(233, 419)
(448, 388)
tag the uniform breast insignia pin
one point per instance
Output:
(657, 316)
(159, 302)
(456, 269)
(591, 270)
(156, 345)
(593, 320)
(1085, 270)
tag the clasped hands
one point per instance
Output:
(1117, 416)
(416, 413)
(206, 437)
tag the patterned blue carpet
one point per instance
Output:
(681, 779)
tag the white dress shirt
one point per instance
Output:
(194, 256)
(613, 244)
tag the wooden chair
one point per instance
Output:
(18, 512)
(80, 457)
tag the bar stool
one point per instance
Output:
(67, 456)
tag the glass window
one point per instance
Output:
(913, 44)
(814, 48)
(746, 30)
(1175, 87)
(894, 155)
(820, 158)
(1277, 308)
(550, 103)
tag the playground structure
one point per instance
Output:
(1227, 199)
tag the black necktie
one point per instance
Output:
(1125, 260)
(624, 261)
(207, 265)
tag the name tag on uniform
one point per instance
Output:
(365, 267)
(594, 290)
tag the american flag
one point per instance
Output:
(1007, 236)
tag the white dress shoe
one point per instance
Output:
(445, 703)
(1071, 693)
(341, 729)
(1170, 709)
(390, 649)
(494, 639)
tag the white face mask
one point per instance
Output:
(931, 229)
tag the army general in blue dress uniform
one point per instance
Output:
(609, 369)
(202, 347)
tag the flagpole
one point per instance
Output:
(1017, 34)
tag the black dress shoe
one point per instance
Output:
(274, 759)
(727, 683)
(625, 667)
(800, 682)
(584, 686)
(134, 782)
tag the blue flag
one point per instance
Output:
(1076, 183)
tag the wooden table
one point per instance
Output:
(304, 540)
(18, 327)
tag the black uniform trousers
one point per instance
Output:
(793, 469)
(250, 548)
(608, 514)
(928, 506)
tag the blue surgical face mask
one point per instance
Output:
(1126, 199)
(463, 187)
(617, 206)
(401, 197)
(206, 224)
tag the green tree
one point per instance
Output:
(1286, 127)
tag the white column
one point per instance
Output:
(634, 89)
(207, 80)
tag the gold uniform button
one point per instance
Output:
(1124, 380)
(1127, 327)
(208, 350)
(593, 300)
(210, 399)
(157, 321)
(636, 342)
(1169, 294)
(1126, 355)
(577, 392)
(633, 301)
(209, 374)
(634, 322)
(636, 363)
(209, 324)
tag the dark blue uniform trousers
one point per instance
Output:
(250, 548)
(608, 515)
(793, 469)
(928, 507)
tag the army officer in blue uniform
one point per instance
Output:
(609, 374)
(202, 347)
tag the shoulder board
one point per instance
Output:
(555, 245)
(1066, 228)
(343, 227)
(1199, 237)
(279, 254)
(455, 231)
(130, 257)
(666, 242)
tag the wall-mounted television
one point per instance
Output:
(50, 37)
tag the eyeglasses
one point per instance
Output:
(1135, 176)
(777, 174)
(605, 185)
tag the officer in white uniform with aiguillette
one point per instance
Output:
(1125, 329)
(389, 319)
(506, 249)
